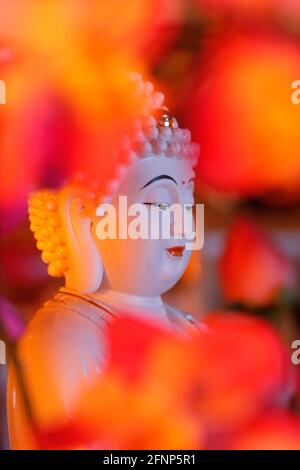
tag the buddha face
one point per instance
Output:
(148, 267)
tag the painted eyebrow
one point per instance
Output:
(157, 178)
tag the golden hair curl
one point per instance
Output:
(47, 229)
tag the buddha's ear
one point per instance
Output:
(85, 269)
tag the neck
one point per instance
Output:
(148, 308)
(128, 300)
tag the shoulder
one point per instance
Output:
(61, 352)
(57, 330)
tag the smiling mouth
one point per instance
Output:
(176, 251)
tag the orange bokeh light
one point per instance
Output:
(69, 97)
(245, 119)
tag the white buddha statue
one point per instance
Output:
(63, 348)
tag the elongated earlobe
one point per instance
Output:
(85, 269)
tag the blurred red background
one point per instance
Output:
(226, 67)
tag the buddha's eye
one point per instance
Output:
(160, 205)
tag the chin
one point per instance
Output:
(174, 269)
(169, 280)
(162, 285)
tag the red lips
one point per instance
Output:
(176, 251)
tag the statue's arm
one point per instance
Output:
(61, 353)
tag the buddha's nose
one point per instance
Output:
(183, 228)
(177, 230)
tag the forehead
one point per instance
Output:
(146, 169)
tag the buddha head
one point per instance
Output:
(155, 171)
